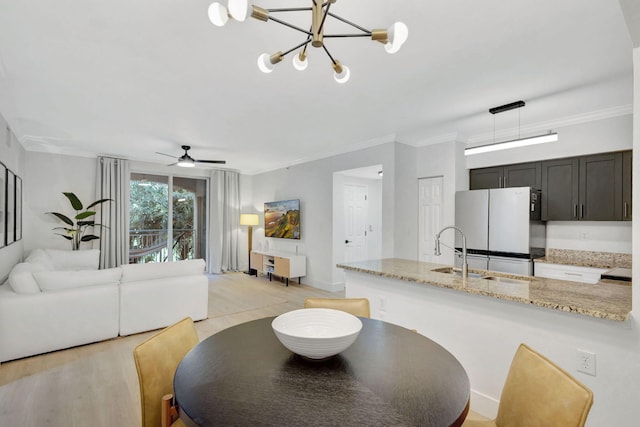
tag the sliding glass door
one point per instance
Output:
(168, 218)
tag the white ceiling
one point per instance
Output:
(131, 78)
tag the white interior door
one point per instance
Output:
(355, 206)
(430, 200)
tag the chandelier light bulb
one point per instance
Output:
(218, 14)
(300, 64)
(342, 76)
(264, 63)
(238, 9)
(397, 34)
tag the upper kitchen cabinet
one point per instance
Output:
(587, 188)
(601, 187)
(627, 167)
(560, 189)
(518, 175)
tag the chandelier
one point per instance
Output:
(392, 38)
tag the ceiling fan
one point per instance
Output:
(186, 161)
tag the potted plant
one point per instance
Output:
(76, 232)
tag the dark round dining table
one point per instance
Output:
(390, 376)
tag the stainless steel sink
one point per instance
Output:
(455, 272)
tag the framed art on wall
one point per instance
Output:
(18, 208)
(3, 205)
(11, 207)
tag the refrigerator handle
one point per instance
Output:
(575, 210)
(581, 210)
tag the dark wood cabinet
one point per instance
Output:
(523, 175)
(483, 178)
(518, 175)
(586, 188)
(560, 183)
(600, 187)
(627, 168)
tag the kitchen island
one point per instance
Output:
(482, 321)
(607, 299)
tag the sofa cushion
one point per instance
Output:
(40, 257)
(161, 270)
(64, 260)
(21, 278)
(58, 280)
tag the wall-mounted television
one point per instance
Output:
(282, 219)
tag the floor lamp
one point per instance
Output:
(249, 220)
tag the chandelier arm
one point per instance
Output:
(286, 24)
(350, 23)
(324, 17)
(305, 43)
(345, 35)
(328, 54)
(290, 9)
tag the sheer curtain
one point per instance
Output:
(112, 182)
(224, 221)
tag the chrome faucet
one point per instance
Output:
(465, 267)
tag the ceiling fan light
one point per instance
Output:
(218, 14)
(238, 9)
(341, 73)
(398, 33)
(186, 163)
(300, 62)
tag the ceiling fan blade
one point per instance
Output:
(220, 162)
(168, 155)
(172, 164)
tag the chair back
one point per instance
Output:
(356, 306)
(539, 393)
(156, 362)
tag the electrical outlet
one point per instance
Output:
(586, 362)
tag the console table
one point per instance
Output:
(282, 264)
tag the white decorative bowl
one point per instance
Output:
(316, 333)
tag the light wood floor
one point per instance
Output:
(96, 385)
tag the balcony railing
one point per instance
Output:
(151, 245)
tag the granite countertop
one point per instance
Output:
(586, 258)
(607, 299)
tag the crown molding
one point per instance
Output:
(577, 119)
(385, 139)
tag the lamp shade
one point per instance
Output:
(249, 219)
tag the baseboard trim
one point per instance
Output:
(484, 405)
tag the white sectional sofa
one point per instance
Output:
(59, 299)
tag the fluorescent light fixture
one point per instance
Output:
(540, 139)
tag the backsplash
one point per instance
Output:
(596, 236)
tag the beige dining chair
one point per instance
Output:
(156, 362)
(356, 306)
(539, 393)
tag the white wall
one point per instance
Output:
(47, 177)
(312, 183)
(12, 156)
(612, 134)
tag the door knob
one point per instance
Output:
(347, 242)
